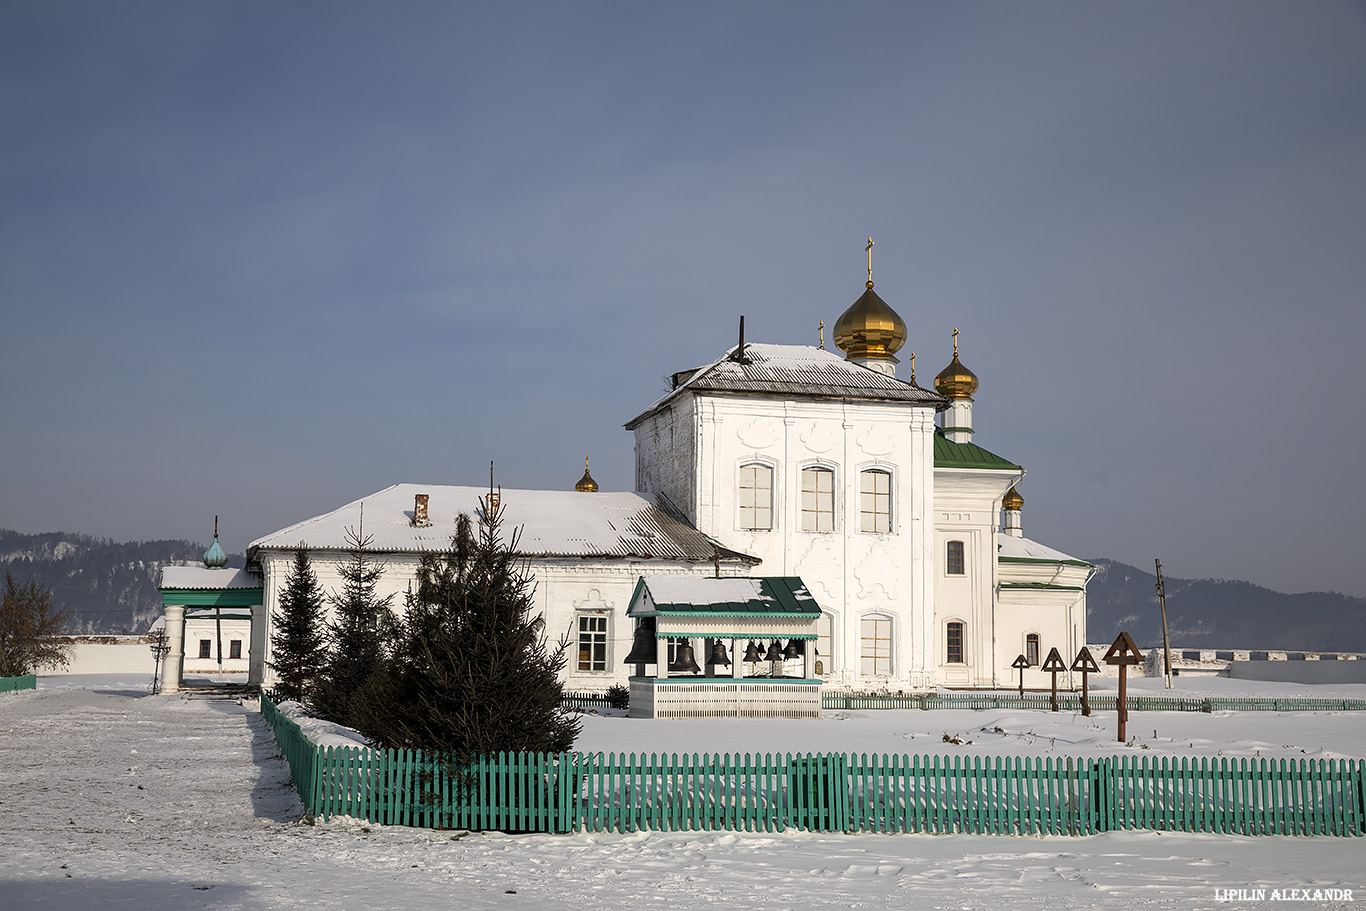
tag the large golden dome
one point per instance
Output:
(870, 328)
(955, 380)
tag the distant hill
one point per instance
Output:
(108, 586)
(111, 587)
(1219, 613)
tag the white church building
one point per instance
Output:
(770, 461)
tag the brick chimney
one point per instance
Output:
(420, 511)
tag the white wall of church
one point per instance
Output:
(966, 513)
(566, 589)
(854, 575)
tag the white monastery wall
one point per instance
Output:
(108, 655)
(565, 589)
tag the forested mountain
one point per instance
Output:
(1219, 613)
(108, 586)
(111, 587)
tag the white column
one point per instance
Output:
(175, 639)
(256, 669)
(1013, 527)
(737, 660)
(958, 421)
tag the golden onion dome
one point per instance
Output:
(870, 328)
(586, 483)
(955, 380)
(1012, 499)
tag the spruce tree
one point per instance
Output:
(298, 643)
(472, 673)
(357, 636)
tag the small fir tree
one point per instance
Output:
(30, 629)
(357, 636)
(472, 673)
(298, 644)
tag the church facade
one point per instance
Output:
(772, 460)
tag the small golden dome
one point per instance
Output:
(955, 380)
(586, 483)
(870, 328)
(1012, 499)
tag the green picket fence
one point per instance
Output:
(26, 682)
(1071, 702)
(833, 792)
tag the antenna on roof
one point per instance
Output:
(738, 355)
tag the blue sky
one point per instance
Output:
(258, 259)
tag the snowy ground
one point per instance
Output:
(114, 799)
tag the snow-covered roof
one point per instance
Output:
(552, 523)
(773, 596)
(203, 578)
(1012, 549)
(796, 370)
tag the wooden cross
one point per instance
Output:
(1021, 662)
(1085, 664)
(1053, 664)
(1123, 653)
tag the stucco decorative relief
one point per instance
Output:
(819, 438)
(593, 601)
(876, 441)
(871, 573)
(758, 434)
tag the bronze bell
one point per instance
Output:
(684, 662)
(718, 655)
(775, 651)
(752, 653)
(794, 649)
(644, 650)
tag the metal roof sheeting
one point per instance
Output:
(797, 370)
(548, 523)
(948, 454)
(771, 596)
(202, 578)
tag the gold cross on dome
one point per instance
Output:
(869, 250)
(955, 341)
(822, 331)
(912, 368)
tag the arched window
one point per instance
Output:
(954, 559)
(818, 499)
(875, 501)
(953, 641)
(756, 497)
(1032, 649)
(875, 646)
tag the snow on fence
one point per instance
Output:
(26, 682)
(833, 792)
(1071, 702)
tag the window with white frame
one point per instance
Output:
(818, 499)
(953, 643)
(756, 497)
(825, 645)
(875, 501)
(875, 646)
(592, 642)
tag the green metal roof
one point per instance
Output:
(223, 597)
(767, 596)
(948, 454)
(1000, 559)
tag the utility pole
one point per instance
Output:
(1166, 642)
